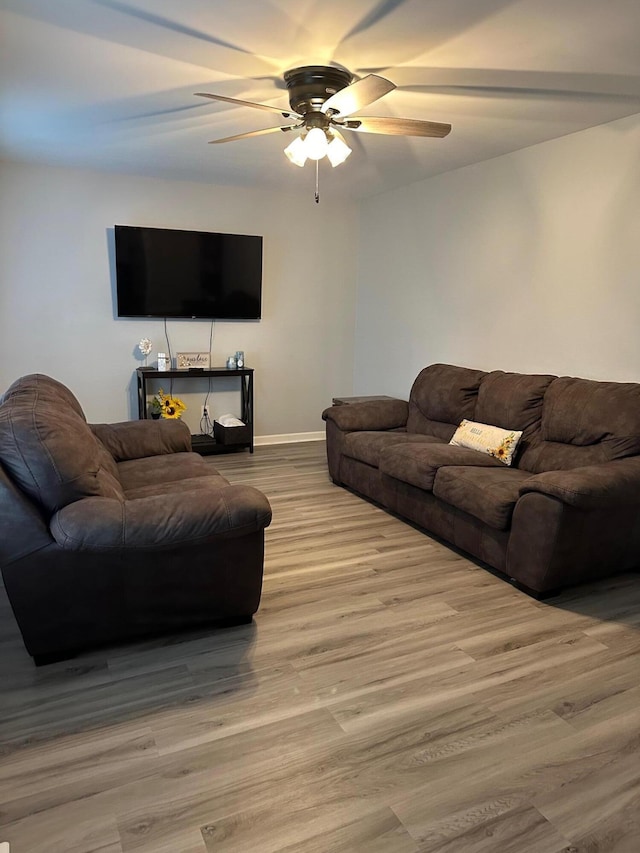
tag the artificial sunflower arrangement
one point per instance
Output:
(167, 406)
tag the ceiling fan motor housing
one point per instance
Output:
(309, 87)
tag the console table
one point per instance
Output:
(205, 444)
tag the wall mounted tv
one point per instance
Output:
(162, 272)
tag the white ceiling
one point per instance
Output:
(109, 84)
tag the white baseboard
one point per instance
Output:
(288, 438)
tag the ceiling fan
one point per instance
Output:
(322, 100)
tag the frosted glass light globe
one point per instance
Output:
(338, 151)
(315, 145)
(296, 151)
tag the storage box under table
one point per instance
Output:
(232, 434)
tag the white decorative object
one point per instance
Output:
(192, 359)
(489, 439)
(162, 361)
(145, 346)
(230, 421)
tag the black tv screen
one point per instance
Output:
(162, 272)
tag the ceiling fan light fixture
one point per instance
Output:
(322, 101)
(316, 144)
(337, 152)
(296, 151)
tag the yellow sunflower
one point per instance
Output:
(501, 452)
(170, 407)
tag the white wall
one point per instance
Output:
(56, 291)
(529, 262)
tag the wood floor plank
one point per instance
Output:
(198, 784)
(377, 832)
(82, 706)
(509, 830)
(86, 826)
(602, 809)
(390, 695)
(58, 773)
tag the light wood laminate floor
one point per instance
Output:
(391, 695)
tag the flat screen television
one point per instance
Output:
(163, 272)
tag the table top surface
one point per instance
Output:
(195, 371)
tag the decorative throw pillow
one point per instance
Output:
(496, 442)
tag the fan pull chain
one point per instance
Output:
(317, 196)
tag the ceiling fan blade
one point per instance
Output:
(255, 133)
(396, 126)
(358, 95)
(267, 107)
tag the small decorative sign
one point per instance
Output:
(192, 359)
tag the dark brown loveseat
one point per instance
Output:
(566, 511)
(116, 530)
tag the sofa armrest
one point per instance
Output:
(369, 415)
(161, 521)
(591, 487)
(136, 439)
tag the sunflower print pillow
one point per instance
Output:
(492, 440)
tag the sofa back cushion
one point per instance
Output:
(47, 389)
(442, 396)
(585, 422)
(48, 448)
(514, 401)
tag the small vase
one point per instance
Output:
(155, 416)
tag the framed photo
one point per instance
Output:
(185, 360)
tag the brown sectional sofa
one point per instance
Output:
(111, 531)
(566, 511)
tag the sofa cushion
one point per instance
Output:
(163, 522)
(486, 438)
(614, 485)
(136, 439)
(386, 414)
(156, 470)
(189, 484)
(48, 448)
(441, 396)
(486, 493)
(417, 464)
(514, 401)
(107, 461)
(48, 389)
(585, 422)
(583, 411)
(367, 446)
(556, 456)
